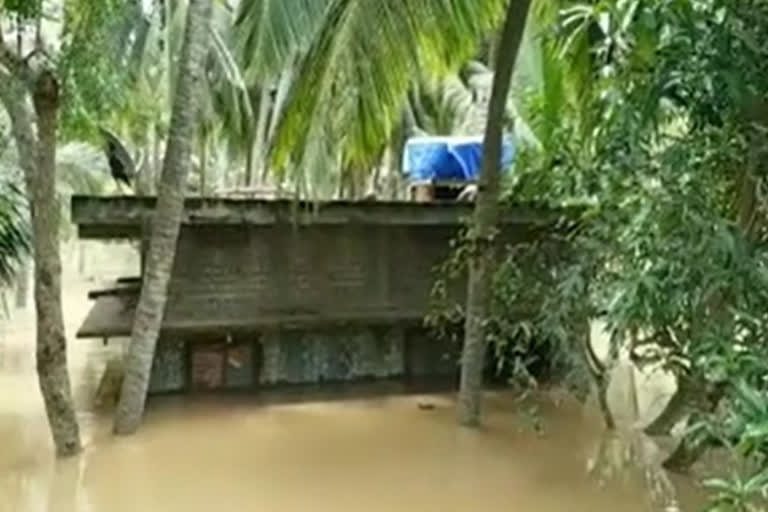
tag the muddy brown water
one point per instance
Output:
(376, 452)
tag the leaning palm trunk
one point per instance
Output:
(483, 230)
(166, 222)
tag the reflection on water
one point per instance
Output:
(627, 458)
(381, 453)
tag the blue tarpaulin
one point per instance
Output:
(449, 158)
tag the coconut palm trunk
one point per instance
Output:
(51, 338)
(37, 157)
(166, 220)
(485, 220)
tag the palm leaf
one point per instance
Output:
(14, 230)
(225, 59)
(270, 32)
(81, 169)
(366, 54)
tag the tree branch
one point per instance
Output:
(15, 65)
(14, 97)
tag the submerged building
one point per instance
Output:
(268, 292)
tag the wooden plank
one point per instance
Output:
(112, 317)
(129, 280)
(120, 291)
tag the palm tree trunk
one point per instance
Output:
(37, 158)
(22, 285)
(485, 221)
(166, 221)
(51, 338)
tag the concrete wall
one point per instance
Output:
(232, 275)
(295, 357)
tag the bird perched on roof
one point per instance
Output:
(120, 162)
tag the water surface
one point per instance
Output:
(273, 453)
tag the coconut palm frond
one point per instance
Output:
(270, 32)
(225, 59)
(353, 79)
(15, 232)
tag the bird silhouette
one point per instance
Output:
(120, 162)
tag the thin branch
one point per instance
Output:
(39, 30)
(15, 65)
(19, 37)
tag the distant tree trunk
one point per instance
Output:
(22, 285)
(407, 127)
(166, 221)
(260, 136)
(376, 178)
(598, 375)
(393, 171)
(248, 178)
(203, 166)
(156, 160)
(81, 258)
(485, 221)
(283, 88)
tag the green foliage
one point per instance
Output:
(81, 169)
(15, 231)
(667, 143)
(531, 340)
(744, 431)
(144, 114)
(271, 32)
(654, 114)
(25, 9)
(99, 42)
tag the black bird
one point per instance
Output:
(120, 162)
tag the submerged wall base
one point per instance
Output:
(293, 356)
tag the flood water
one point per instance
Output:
(375, 452)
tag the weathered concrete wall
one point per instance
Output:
(231, 276)
(169, 368)
(427, 357)
(299, 356)
(295, 357)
